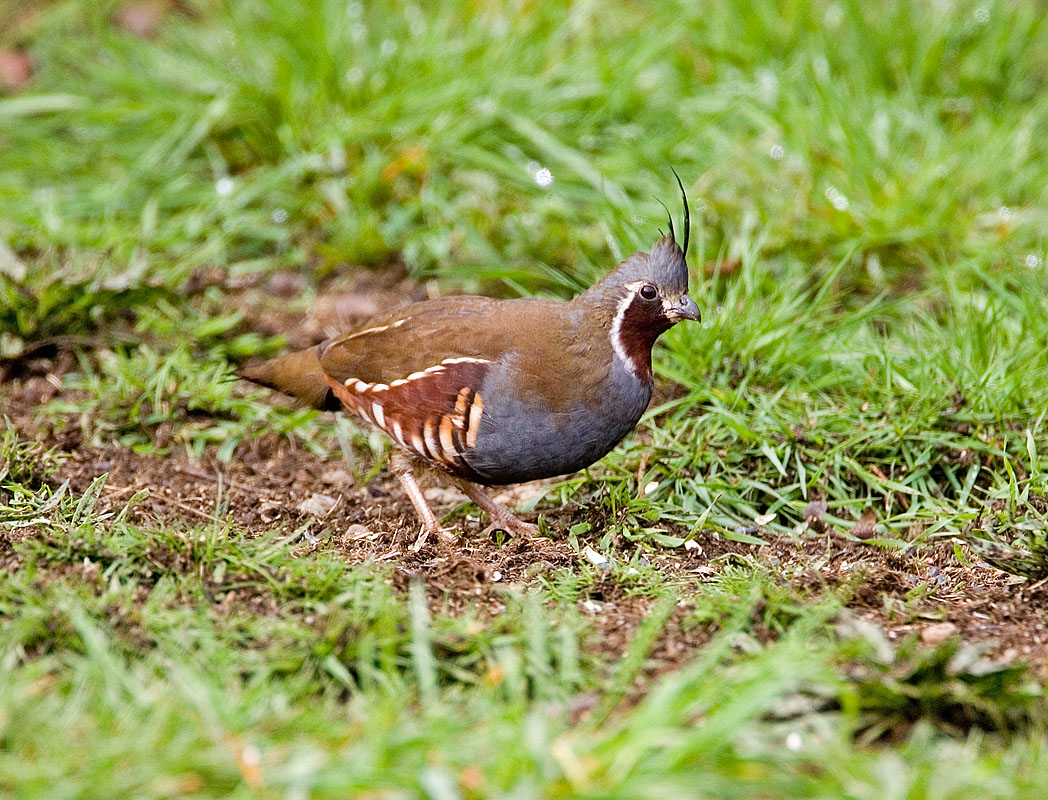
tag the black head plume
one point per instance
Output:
(669, 218)
(687, 215)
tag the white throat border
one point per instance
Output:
(616, 328)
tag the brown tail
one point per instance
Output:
(298, 375)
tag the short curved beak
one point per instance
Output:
(686, 309)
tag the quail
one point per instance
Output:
(493, 392)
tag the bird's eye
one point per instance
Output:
(648, 292)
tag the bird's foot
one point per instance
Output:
(500, 518)
(430, 524)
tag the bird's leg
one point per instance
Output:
(500, 517)
(430, 524)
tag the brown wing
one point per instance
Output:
(435, 412)
(410, 339)
(420, 335)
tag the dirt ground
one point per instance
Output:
(271, 484)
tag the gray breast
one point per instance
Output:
(520, 439)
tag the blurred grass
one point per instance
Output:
(823, 129)
(869, 185)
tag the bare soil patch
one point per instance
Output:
(270, 483)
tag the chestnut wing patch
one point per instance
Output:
(435, 412)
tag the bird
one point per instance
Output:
(492, 392)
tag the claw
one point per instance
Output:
(500, 517)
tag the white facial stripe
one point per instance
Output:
(616, 325)
(616, 330)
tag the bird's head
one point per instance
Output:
(646, 295)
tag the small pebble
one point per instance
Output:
(336, 477)
(938, 633)
(318, 505)
(595, 558)
(443, 497)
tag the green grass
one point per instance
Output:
(869, 188)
